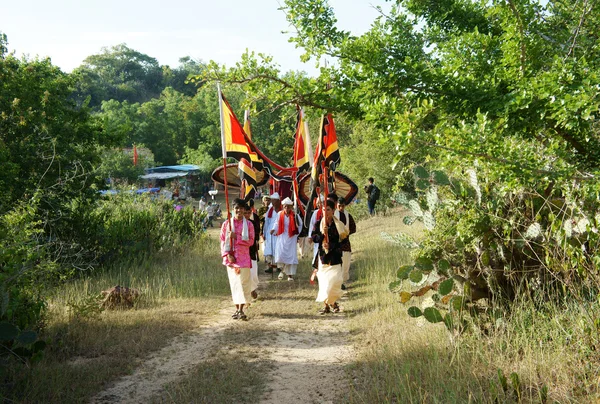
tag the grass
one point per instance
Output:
(538, 354)
(88, 349)
(541, 353)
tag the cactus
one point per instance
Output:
(401, 239)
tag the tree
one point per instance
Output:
(118, 73)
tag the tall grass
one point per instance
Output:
(540, 353)
(88, 349)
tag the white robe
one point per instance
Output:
(270, 240)
(286, 251)
(311, 227)
(330, 283)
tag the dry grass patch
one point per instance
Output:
(401, 359)
(89, 348)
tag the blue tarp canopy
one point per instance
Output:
(180, 168)
(167, 172)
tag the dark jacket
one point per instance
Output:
(334, 255)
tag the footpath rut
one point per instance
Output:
(308, 354)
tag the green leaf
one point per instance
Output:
(403, 271)
(27, 337)
(38, 346)
(414, 312)
(440, 178)
(456, 303)
(8, 331)
(443, 267)
(446, 287)
(422, 184)
(420, 172)
(394, 285)
(424, 264)
(432, 315)
(416, 276)
(409, 220)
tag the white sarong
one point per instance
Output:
(240, 285)
(254, 275)
(346, 259)
(330, 283)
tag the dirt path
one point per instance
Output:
(167, 365)
(308, 352)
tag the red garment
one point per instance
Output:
(319, 214)
(293, 229)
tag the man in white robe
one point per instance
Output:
(287, 227)
(269, 239)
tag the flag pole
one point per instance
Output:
(224, 152)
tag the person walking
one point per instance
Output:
(346, 218)
(372, 195)
(286, 228)
(253, 218)
(269, 239)
(328, 234)
(237, 235)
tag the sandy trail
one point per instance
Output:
(308, 353)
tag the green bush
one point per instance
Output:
(127, 225)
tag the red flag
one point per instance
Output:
(135, 155)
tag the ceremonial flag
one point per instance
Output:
(326, 160)
(237, 144)
(329, 147)
(248, 178)
(247, 124)
(301, 144)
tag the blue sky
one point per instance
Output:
(68, 31)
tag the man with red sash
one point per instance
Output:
(269, 239)
(286, 228)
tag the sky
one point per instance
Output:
(68, 31)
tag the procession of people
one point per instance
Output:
(277, 226)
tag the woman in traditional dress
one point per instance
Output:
(329, 233)
(237, 235)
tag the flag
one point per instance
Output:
(247, 124)
(248, 178)
(326, 160)
(234, 138)
(301, 156)
(135, 155)
(236, 144)
(329, 147)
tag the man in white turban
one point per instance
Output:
(269, 239)
(286, 228)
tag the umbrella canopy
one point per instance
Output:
(344, 188)
(233, 178)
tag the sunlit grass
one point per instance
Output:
(401, 359)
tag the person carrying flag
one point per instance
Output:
(237, 235)
(329, 234)
(268, 238)
(286, 228)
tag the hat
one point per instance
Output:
(287, 201)
(274, 195)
